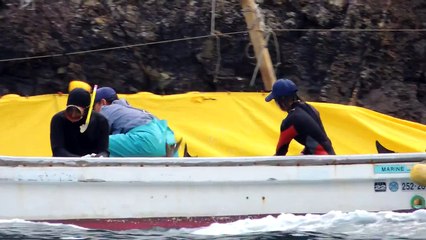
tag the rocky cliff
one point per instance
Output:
(360, 52)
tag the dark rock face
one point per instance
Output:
(171, 48)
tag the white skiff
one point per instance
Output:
(128, 193)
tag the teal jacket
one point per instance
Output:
(136, 132)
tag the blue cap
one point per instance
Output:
(106, 93)
(282, 88)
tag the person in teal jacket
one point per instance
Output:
(134, 132)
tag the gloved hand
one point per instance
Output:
(102, 154)
(89, 155)
(172, 148)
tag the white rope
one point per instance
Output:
(212, 21)
(256, 69)
(350, 30)
(205, 36)
(27, 4)
(277, 51)
(218, 61)
(258, 20)
(105, 49)
(217, 39)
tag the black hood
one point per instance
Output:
(79, 97)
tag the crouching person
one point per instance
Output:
(67, 140)
(134, 132)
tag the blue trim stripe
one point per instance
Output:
(391, 168)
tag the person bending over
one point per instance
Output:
(134, 132)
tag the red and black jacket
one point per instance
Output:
(303, 124)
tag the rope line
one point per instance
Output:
(206, 36)
(219, 59)
(212, 21)
(277, 51)
(256, 69)
(217, 40)
(350, 30)
(118, 47)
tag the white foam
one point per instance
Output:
(356, 224)
(21, 221)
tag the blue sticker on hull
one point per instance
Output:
(391, 168)
(393, 186)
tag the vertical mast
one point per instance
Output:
(254, 22)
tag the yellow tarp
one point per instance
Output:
(216, 124)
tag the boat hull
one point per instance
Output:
(144, 193)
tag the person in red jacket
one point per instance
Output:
(67, 140)
(303, 122)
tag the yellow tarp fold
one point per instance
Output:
(216, 124)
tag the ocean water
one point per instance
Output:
(333, 225)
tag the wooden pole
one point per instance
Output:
(254, 23)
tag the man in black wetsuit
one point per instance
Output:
(302, 123)
(66, 140)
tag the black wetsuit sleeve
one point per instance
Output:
(57, 140)
(103, 136)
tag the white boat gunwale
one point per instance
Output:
(302, 160)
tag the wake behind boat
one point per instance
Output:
(142, 193)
